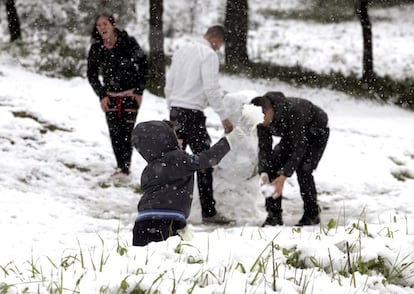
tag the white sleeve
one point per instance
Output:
(211, 87)
(169, 82)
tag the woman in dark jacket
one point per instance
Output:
(123, 66)
(167, 181)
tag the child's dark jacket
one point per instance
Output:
(168, 179)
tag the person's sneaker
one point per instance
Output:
(273, 221)
(307, 220)
(217, 219)
(121, 177)
(118, 172)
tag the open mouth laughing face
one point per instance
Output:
(105, 27)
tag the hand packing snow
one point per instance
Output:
(267, 190)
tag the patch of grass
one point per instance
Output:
(402, 176)
(396, 272)
(322, 11)
(5, 288)
(16, 49)
(392, 272)
(319, 11)
(331, 225)
(104, 185)
(23, 114)
(367, 267)
(52, 128)
(389, 3)
(325, 15)
(8, 139)
(268, 268)
(383, 89)
(46, 126)
(136, 188)
(78, 168)
(293, 257)
(191, 258)
(396, 161)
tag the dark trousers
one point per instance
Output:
(191, 128)
(154, 230)
(304, 173)
(121, 119)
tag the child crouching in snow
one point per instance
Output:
(167, 181)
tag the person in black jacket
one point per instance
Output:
(167, 181)
(303, 131)
(123, 65)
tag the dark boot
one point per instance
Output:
(273, 220)
(274, 212)
(205, 190)
(217, 219)
(309, 195)
(307, 220)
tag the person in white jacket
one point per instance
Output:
(192, 85)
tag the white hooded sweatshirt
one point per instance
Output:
(192, 81)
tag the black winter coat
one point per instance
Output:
(297, 121)
(123, 67)
(168, 179)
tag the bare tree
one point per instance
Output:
(236, 24)
(361, 9)
(156, 81)
(13, 20)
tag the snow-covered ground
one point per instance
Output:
(54, 203)
(64, 227)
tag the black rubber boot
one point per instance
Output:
(307, 220)
(310, 217)
(274, 220)
(274, 212)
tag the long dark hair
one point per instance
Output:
(95, 34)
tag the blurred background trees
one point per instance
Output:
(56, 34)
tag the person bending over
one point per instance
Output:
(303, 131)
